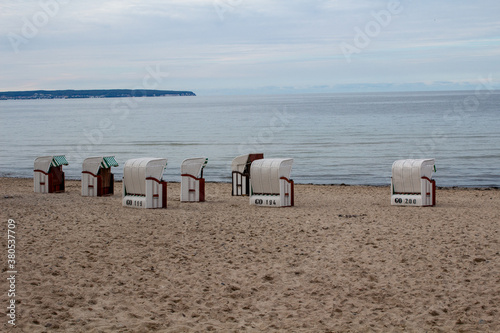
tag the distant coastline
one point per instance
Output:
(98, 93)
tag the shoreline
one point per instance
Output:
(464, 187)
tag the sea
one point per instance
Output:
(348, 138)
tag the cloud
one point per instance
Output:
(242, 44)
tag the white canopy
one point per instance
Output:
(239, 163)
(266, 173)
(93, 164)
(44, 163)
(407, 174)
(193, 166)
(135, 172)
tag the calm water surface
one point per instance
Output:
(333, 138)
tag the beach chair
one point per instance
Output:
(241, 173)
(270, 182)
(143, 186)
(97, 179)
(412, 183)
(192, 181)
(48, 174)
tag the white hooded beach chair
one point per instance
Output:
(143, 186)
(48, 174)
(192, 181)
(270, 182)
(97, 179)
(412, 183)
(240, 168)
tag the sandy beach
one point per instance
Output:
(342, 260)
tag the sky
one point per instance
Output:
(222, 47)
